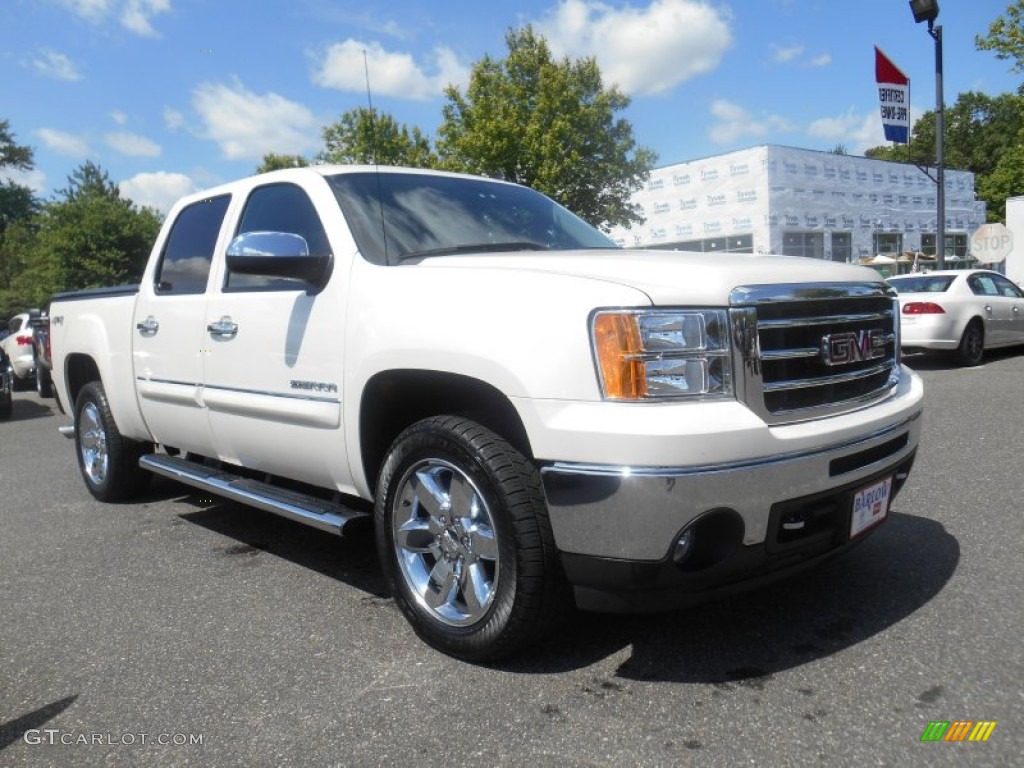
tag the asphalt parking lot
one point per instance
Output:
(183, 630)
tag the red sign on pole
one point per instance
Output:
(894, 95)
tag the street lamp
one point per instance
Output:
(928, 10)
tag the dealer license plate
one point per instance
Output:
(870, 506)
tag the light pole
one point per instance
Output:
(928, 10)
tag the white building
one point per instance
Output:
(1015, 223)
(772, 199)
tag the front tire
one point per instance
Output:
(972, 344)
(109, 462)
(464, 540)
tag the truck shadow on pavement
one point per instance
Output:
(738, 641)
(23, 408)
(745, 639)
(351, 558)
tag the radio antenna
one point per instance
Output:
(376, 165)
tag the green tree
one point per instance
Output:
(89, 236)
(1005, 180)
(16, 200)
(366, 136)
(275, 162)
(1006, 38)
(550, 125)
(980, 129)
(17, 206)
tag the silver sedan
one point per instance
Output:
(962, 311)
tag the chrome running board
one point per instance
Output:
(326, 515)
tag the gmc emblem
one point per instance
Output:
(852, 347)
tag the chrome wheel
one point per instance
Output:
(445, 542)
(92, 440)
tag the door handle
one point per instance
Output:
(149, 325)
(988, 308)
(223, 327)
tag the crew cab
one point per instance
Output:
(530, 416)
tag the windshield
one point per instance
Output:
(399, 217)
(921, 283)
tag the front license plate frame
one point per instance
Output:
(870, 505)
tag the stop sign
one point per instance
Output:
(991, 243)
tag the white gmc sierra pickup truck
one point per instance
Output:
(530, 415)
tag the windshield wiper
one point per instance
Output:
(514, 245)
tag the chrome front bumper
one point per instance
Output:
(636, 513)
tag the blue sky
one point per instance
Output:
(172, 96)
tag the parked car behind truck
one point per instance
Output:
(17, 345)
(962, 312)
(41, 356)
(529, 415)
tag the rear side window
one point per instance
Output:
(922, 284)
(983, 285)
(188, 253)
(279, 208)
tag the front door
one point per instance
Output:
(273, 381)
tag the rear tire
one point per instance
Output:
(464, 540)
(44, 384)
(109, 462)
(972, 344)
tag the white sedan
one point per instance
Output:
(962, 311)
(21, 362)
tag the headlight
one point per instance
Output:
(653, 354)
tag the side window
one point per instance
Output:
(1006, 288)
(185, 261)
(279, 208)
(983, 285)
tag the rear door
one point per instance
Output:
(169, 344)
(273, 365)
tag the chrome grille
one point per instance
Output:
(809, 350)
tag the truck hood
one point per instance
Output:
(667, 277)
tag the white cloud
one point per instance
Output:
(33, 179)
(91, 10)
(158, 190)
(857, 131)
(784, 54)
(56, 65)
(248, 125)
(391, 73)
(644, 50)
(735, 123)
(63, 143)
(133, 144)
(173, 119)
(821, 61)
(136, 15)
(119, 117)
